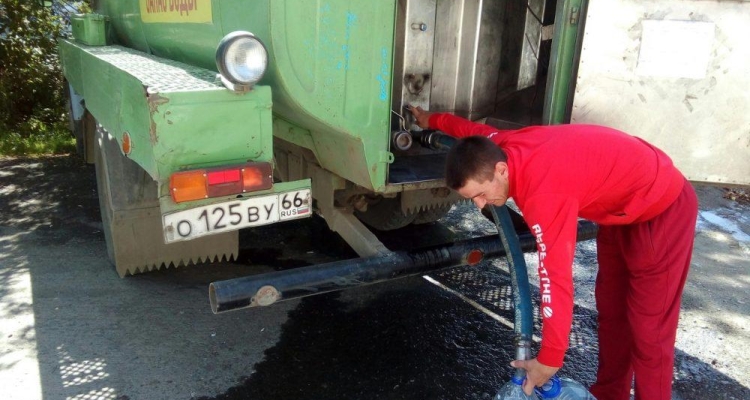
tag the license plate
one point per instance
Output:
(236, 214)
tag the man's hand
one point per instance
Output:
(537, 374)
(422, 116)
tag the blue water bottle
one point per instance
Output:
(513, 390)
(563, 389)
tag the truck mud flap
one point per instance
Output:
(131, 218)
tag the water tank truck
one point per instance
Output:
(204, 117)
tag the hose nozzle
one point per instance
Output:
(433, 139)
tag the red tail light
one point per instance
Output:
(216, 182)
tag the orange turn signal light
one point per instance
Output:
(188, 185)
(216, 182)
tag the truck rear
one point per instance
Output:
(207, 116)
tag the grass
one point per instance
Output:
(37, 139)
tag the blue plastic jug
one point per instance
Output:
(513, 390)
(563, 389)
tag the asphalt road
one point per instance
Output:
(72, 329)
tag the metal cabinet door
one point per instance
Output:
(675, 73)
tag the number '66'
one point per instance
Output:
(296, 202)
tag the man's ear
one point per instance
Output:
(501, 167)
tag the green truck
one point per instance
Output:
(207, 116)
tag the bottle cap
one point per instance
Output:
(518, 380)
(551, 389)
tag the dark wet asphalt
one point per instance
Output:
(404, 339)
(403, 344)
(410, 339)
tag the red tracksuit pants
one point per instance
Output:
(642, 271)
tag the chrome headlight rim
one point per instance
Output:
(221, 52)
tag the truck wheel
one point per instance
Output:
(131, 217)
(384, 214)
(431, 215)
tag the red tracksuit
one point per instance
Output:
(646, 211)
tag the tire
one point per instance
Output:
(76, 127)
(384, 214)
(431, 215)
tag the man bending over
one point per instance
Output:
(646, 211)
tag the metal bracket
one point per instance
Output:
(386, 157)
(574, 15)
(355, 233)
(343, 221)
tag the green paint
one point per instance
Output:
(330, 68)
(177, 116)
(285, 130)
(565, 44)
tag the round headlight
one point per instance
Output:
(241, 58)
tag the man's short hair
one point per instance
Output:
(473, 157)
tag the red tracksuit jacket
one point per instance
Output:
(561, 172)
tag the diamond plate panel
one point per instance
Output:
(159, 75)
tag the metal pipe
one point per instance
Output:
(267, 289)
(402, 140)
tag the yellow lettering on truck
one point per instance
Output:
(169, 11)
